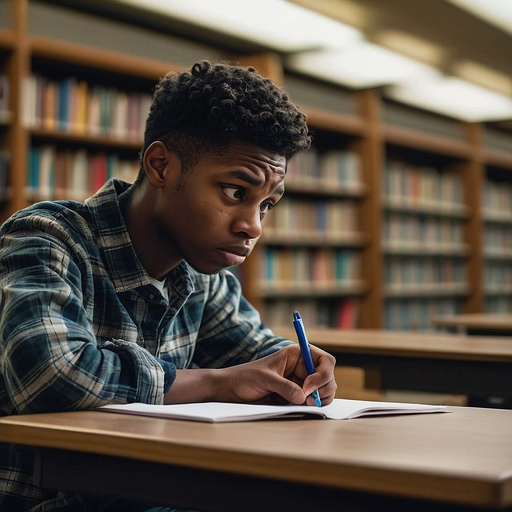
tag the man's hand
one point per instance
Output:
(278, 378)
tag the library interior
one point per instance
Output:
(400, 213)
(393, 239)
(399, 217)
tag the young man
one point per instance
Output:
(126, 297)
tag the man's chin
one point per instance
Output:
(208, 269)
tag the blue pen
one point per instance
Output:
(304, 349)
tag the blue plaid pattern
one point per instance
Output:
(81, 325)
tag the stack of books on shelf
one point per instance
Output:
(310, 219)
(340, 314)
(497, 200)
(309, 269)
(327, 169)
(5, 113)
(68, 174)
(416, 275)
(412, 314)
(74, 106)
(423, 188)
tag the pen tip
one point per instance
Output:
(296, 315)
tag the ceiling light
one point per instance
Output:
(496, 12)
(483, 75)
(410, 44)
(275, 24)
(453, 97)
(362, 66)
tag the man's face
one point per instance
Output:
(212, 217)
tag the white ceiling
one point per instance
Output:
(408, 67)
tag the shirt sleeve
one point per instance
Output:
(231, 330)
(50, 358)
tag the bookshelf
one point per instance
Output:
(352, 240)
(496, 200)
(423, 243)
(312, 242)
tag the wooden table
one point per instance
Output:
(440, 462)
(431, 362)
(477, 323)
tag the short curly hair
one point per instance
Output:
(204, 109)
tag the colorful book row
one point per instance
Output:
(498, 304)
(497, 199)
(329, 167)
(401, 229)
(72, 105)
(421, 186)
(296, 215)
(298, 267)
(416, 315)
(410, 272)
(341, 313)
(57, 174)
(498, 276)
(497, 237)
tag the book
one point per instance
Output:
(220, 412)
(4, 98)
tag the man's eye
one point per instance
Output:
(266, 207)
(235, 194)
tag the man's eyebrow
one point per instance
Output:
(245, 176)
(253, 180)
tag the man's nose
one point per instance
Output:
(248, 223)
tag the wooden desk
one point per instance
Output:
(431, 362)
(477, 323)
(435, 462)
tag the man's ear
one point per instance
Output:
(160, 164)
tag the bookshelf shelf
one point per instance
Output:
(498, 254)
(503, 290)
(331, 122)
(437, 209)
(311, 290)
(42, 134)
(407, 138)
(424, 250)
(386, 227)
(314, 239)
(499, 159)
(310, 186)
(96, 58)
(428, 290)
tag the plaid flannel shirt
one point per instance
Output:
(81, 325)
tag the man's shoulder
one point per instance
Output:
(64, 220)
(75, 216)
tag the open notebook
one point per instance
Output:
(215, 412)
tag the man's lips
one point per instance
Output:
(235, 255)
(238, 250)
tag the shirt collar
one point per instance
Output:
(113, 238)
(114, 241)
